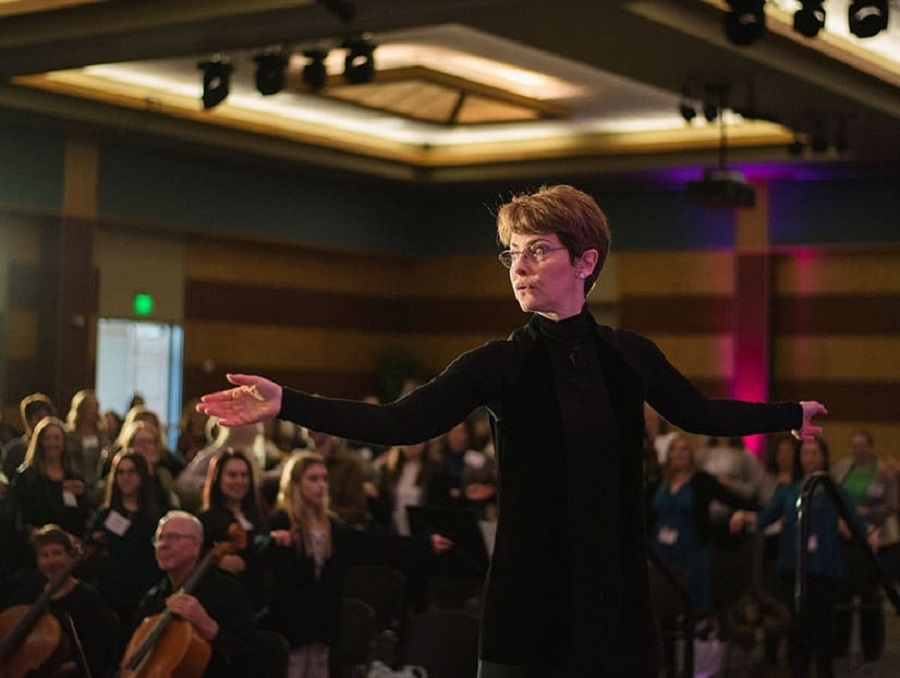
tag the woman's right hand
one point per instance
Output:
(252, 400)
(283, 537)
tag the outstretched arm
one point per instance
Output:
(253, 399)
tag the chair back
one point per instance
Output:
(357, 629)
(383, 588)
(445, 642)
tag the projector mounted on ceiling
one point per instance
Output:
(722, 188)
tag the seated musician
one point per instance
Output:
(55, 555)
(217, 607)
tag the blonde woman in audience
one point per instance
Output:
(47, 489)
(306, 601)
(87, 431)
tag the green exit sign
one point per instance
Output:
(143, 304)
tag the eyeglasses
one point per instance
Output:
(536, 253)
(170, 536)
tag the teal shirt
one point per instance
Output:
(825, 552)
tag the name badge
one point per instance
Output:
(69, 499)
(667, 536)
(117, 523)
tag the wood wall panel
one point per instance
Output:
(838, 358)
(233, 344)
(845, 314)
(838, 273)
(683, 315)
(676, 274)
(699, 356)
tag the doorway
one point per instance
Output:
(141, 358)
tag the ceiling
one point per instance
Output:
(468, 89)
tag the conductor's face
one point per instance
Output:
(543, 276)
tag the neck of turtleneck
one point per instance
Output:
(575, 328)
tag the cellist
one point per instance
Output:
(88, 650)
(217, 607)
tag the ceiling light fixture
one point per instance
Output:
(315, 74)
(216, 81)
(867, 18)
(745, 22)
(359, 64)
(270, 73)
(687, 110)
(810, 18)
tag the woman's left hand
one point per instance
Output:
(807, 432)
(232, 563)
(440, 544)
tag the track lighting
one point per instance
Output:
(867, 18)
(810, 18)
(315, 75)
(359, 64)
(687, 110)
(270, 73)
(216, 81)
(745, 22)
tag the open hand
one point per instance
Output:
(807, 432)
(252, 400)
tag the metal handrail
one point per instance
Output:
(803, 519)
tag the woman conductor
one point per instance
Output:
(567, 396)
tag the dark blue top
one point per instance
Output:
(824, 545)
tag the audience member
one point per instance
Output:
(87, 433)
(125, 524)
(191, 431)
(346, 479)
(230, 498)
(73, 604)
(813, 635)
(874, 494)
(32, 409)
(217, 607)
(46, 489)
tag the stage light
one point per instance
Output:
(216, 82)
(867, 17)
(687, 110)
(315, 75)
(810, 18)
(359, 64)
(745, 23)
(270, 73)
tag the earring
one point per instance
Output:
(581, 275)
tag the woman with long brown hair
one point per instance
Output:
(46, 488)
(230, 496)
(125, 523)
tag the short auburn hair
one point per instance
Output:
(571, 214)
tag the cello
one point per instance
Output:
(165, 645)
(33, 639)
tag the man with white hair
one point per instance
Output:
(217, 607)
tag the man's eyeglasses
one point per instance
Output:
(170, 537)
(536, 253)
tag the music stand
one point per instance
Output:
(469, 553)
